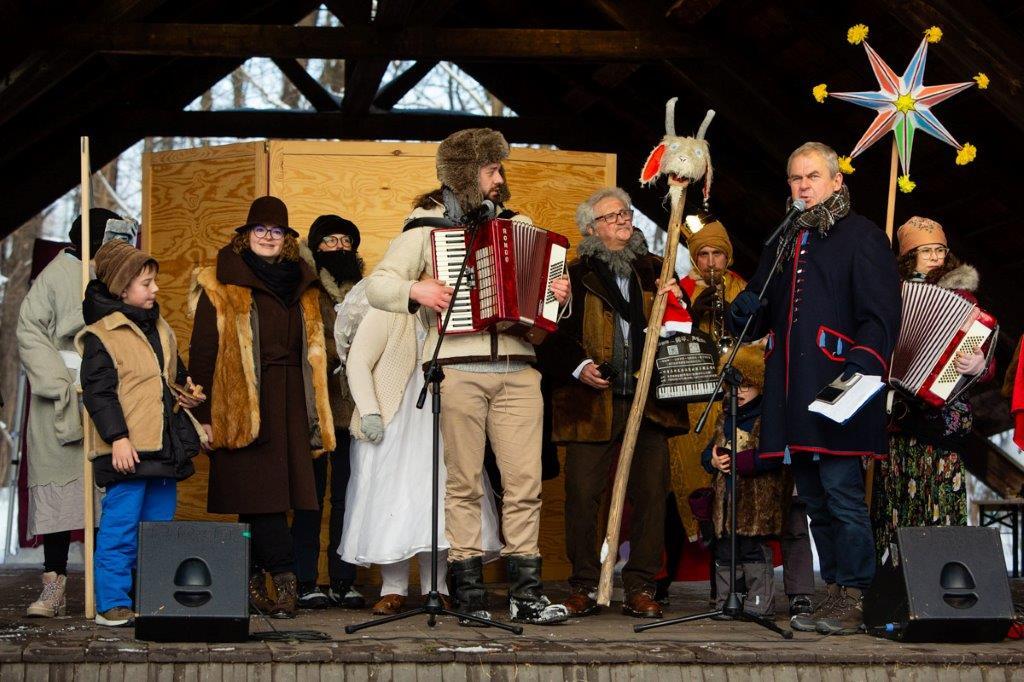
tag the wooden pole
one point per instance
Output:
(890, 219)
(88, 487)
(677, 191)
(890, 208)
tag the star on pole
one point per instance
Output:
(904, 106)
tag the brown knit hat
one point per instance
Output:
(750, 362)
(118, 263)
(712, 234)
(917, 232)
(461, 155)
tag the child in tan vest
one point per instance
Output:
(134, 387)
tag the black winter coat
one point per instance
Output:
(180, 441)
(836, 301)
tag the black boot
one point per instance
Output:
(467, 588)
(526, 601)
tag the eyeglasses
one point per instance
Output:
(938, 251)
(612, 218)
(334, 241)
(274, 233)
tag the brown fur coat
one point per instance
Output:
(762, 500)
(235, 405)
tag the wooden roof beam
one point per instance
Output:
(331, 125)
(311, 89)
(397, 88)
(478, 44)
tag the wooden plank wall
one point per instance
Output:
(193, 199)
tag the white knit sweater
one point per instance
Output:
(382, 358)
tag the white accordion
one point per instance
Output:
(938, 324)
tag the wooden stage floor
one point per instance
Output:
(598, 647)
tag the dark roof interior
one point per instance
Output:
(597, 78)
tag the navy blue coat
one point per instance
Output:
(836, 300)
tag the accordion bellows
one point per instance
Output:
(938, 324)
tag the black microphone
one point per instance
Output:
(485, 211)
(794, 210)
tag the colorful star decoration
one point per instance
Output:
(903, 104)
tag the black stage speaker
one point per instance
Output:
(192, 583)
(942, 584)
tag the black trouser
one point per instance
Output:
(55, 552)
(306, 523)
(270, 544)
(750, 549)
(797, 561)
(586, 479)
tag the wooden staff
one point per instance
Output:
(610, 550)
(88, 487)
(890, 219)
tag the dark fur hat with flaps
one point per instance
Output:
(750, 362)
(461, 156)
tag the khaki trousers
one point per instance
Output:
(507, 409)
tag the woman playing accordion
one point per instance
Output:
(922, 481)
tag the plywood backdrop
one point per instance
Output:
(193, 199)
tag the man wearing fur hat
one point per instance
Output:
(332, 250)
(490, 390)
(594, 355)
(833, 308)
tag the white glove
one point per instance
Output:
(372, 426)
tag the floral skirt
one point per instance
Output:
(918, 485)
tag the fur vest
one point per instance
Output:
(581, 413)
(762, 500)
(235, 403)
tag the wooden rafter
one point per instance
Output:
(395, 89)
(311, 89)
(480, 44)
(332, 125)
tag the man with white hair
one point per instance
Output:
(833, 308)
(594, 355)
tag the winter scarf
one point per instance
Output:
(282, 277)
(820, 217)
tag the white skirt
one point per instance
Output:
(387, 503)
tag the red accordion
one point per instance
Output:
(937, 325)
(511, 266)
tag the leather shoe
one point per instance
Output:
(581, 604)
(641, 605)
(389, 605)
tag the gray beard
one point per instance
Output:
(619, 262)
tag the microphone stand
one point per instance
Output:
(433, 375)
(733, 607)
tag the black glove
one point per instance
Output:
(744, 306)
(851, 368)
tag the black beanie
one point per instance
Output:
(327, 225)
(98, 218)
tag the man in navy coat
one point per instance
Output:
(832, 308)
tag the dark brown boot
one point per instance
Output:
(287, 595)
(847, 616)
(259, 599)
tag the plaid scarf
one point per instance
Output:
(820, 216)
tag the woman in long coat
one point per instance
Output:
(923, 481)
(266, 420)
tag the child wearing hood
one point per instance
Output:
(134, 388)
